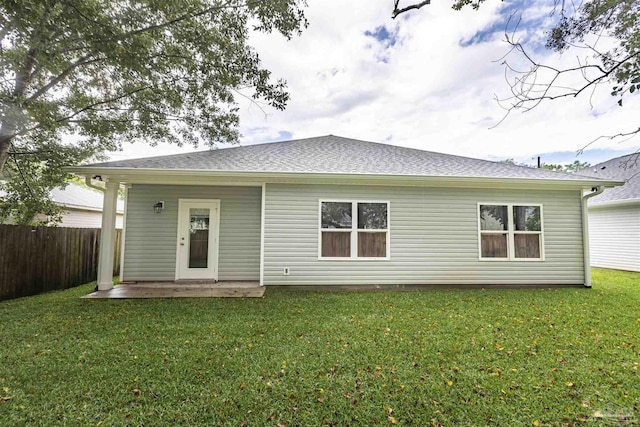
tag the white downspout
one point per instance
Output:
(262, 214)
(89, 182)
(585, 234)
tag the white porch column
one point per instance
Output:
(107, 237)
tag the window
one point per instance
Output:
(354, 230)
(510, 232)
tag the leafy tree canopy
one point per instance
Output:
(100, 72)
(571, 167)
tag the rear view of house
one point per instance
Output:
(337, 211)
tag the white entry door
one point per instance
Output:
(198, 229)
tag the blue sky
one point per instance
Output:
(426, 80)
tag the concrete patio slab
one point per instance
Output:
(181, 290)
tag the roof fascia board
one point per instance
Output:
(83, 208)
(203, 177)
(614, 203)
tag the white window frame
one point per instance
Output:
(353, 230)
(510, 232)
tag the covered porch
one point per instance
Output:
(183, 239)
(200, 289)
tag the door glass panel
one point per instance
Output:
(198, 238)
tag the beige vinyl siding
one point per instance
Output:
(434, 237)
(614, 237)
(150, 238)
(85, 219)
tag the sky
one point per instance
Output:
(426, 80)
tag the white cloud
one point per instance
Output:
(427, 90)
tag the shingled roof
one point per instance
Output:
(336, 155)
(624, 168)
(78, 197)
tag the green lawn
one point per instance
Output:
(436, 357)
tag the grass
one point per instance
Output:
(437, 357)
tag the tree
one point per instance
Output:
(571, 167)
(581, 25)
(553, 167)
(81, 76)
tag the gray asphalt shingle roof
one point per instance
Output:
(337, 155)
(76, 196)
(624, 168)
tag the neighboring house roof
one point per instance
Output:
(624, 168)
(74, 196)
(336, 155)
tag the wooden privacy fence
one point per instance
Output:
(40, 259)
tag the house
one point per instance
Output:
(338, 211)
(82, 207)
(614, 215)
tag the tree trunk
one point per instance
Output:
(5, 144)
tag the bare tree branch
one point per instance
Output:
(629, 134)
(103, 102)
(54, 81)
(397, 11)
(541, 82)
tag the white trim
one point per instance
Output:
(124, 231)
(203, 177)
(85, 208)
(214, 240)
(510, 232)
(354, 230)
(262, 220)
(613, 203)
